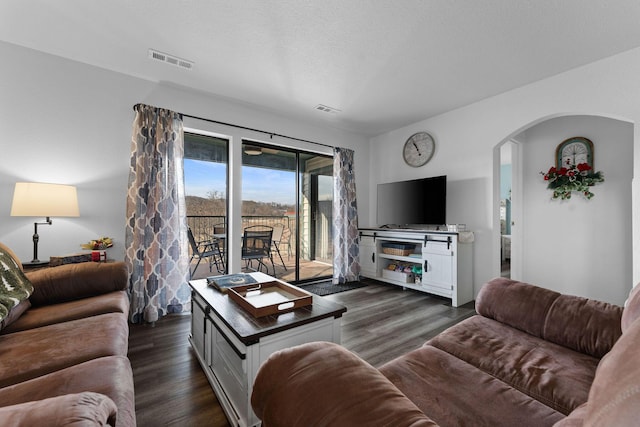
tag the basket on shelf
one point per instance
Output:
(401, 249)
(396, 251)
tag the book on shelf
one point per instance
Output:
(222, 283)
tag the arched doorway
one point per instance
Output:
(567, 245)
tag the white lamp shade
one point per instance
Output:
(39, 199)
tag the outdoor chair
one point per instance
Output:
(220, 233)
(277, 238)
(206, 249)
(256, 246)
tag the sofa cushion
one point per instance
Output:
(614, 399)
(585, 325)
(76, 281)
(575, 418)
(631, 308)
(113, 302)
(71, 410)
(517, 304)
(454, 393)
(338, 388)
(110, 376)
(29, 354)
(14, 285)
(555, 375)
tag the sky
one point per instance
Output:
(259, 185)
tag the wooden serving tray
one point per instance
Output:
(264, 299)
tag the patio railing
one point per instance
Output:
(203, 226)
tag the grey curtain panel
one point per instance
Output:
(346, 263)
(156, 225)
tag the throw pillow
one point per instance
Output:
(15, 313)
(14, 285)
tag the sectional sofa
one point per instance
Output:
(530, 357)
(63, 350)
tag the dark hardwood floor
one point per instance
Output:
(170, 386)
(382, 322)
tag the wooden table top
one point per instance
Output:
(249, 329)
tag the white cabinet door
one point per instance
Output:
(439, 264)
(368, 257)
(198, 327)
(438, 271)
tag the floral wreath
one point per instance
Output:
(571, 178)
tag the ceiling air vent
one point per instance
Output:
(326, 109)
(170, 59)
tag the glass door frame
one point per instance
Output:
(299, 174)
(223, 158)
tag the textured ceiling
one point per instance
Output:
(384, 64)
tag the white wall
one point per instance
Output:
(466, 138)
(579, 246)
(70, 123)
(66, 122)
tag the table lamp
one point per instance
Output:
(47, 200)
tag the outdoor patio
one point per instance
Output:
(308, 269)
(205, 227)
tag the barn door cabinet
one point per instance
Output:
(445, 259)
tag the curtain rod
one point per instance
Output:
(271, 134)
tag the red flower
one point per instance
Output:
(571, 178)
(582, 167)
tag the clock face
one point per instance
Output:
(418, 149)
(574, 154)
(574, 151)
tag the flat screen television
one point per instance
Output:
(416, 202)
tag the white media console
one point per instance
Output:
(445, 258)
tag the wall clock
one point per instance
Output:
(418, 149)
(574, 151)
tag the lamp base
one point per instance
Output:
(34, 264)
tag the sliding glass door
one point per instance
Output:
(315, 207)
(291, 192)
(286, 190)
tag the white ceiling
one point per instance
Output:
(384, 63)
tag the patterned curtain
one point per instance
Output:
(346, 264)
(155, 235)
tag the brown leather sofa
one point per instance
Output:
(64, 361)
(530, 357)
